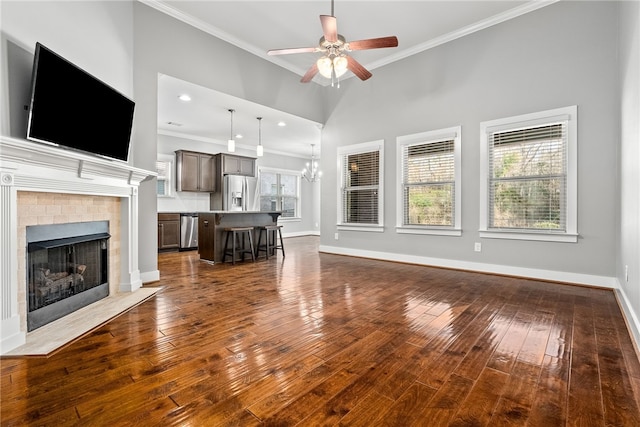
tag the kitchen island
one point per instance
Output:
(211, 227)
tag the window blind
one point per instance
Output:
(162, 181)
(528, 178)
(429, 183)
(360, 177)
(162, 168)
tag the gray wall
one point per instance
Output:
(168, 46)
(185, 201)
(563, 54)
(101, 42)
(557, 56)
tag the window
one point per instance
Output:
(360, 195)
(163, 183)
(429, 174)
(280, 191)
(529, 176)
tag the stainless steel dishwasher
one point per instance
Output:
(188, 231)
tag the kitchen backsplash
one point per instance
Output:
(184, 201)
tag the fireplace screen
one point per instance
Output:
(64, 275)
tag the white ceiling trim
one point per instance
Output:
(401, 54)
(223, 144)
(217, 32)
(461, 32)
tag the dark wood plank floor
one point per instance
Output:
(318, 339)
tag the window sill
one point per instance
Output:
(518, 235)
(367, 228)
(431, 231)
(296, 219)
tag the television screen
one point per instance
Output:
(71, 108)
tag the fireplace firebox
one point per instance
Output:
(67, 269)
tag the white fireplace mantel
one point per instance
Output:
(31, 166)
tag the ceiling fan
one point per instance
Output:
(334, 47)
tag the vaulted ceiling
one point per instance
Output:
(258, 26)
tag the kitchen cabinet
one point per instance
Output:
(168, 231)
(212, 225)
(238, 165)
(195, 171)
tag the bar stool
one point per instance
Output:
(237, 235)
(272, 233)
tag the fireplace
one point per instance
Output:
(43, 185)
(67, 269)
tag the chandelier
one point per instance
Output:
(311, 172)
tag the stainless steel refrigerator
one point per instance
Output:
(240, 193)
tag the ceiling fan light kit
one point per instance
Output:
(335, 62)
(328, 67)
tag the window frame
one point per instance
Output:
(430, 137)
(168, 178)
(542, 118)
(298, 210)
(343, 152)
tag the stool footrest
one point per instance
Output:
(238, 245)
(272, 240)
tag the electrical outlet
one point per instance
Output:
(477, 247)
(626, 273)
(337, 236)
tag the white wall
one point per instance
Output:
(561, 55)
(97, 36)
(629, 231)
(186, 201)
(126, 44)
(167, 46)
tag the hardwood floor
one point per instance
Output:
(318, 339)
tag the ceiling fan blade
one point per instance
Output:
(329, 28)
(291, 50)
(357, 69)
(391, 41)
(310, 74)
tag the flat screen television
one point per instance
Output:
(71, 108)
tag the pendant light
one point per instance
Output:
(231, 143)
(259, 148)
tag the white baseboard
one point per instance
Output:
(556, 276)
(630, 316)
(12, 336)
(150, 276)
(300, 234)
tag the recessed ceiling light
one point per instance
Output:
(238, 136)
(184, 97)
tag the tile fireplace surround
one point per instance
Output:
(73, 187)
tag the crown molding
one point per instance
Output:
(530, 6)
(223, 144)
(462, 32)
